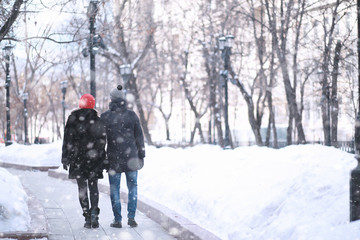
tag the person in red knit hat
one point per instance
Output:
(84, 151)
(87, 101)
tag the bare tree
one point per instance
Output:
(279, 25)
(122, 52)
(165, 89)
(211, 67)
(195, 98)
(8, 18)
(329, 105)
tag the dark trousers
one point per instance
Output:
(83, 185)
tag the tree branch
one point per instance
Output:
(10, 21)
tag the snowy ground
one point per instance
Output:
(14, 213)
(298, 192)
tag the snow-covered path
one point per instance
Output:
(65, 221)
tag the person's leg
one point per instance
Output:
(94, 192)
(114, 180)
(94, 200)
(131, 181)
(84, 200)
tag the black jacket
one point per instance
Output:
(125, 139)
(84, 145)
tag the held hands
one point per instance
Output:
(65, 167)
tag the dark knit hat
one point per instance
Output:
(87, 101)
(117, 93)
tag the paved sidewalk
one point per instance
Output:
(64, 216)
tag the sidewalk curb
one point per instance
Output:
(177, 225)
(24, 167)
(38, 223)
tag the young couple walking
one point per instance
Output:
(85, 137)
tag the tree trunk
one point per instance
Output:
(334, 99)
(55, 115)
(325, 108)
(135, 91)
(167, 129)
(269, 96)
(271, 125)
(289, 129)
(197, 126)
(255, 127)
(211, 70)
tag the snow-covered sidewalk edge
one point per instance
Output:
(177, 225)
(38, 223)
(26, 167)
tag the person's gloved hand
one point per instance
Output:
(65, 167)
(141, 162)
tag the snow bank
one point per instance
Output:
(298, 192)
(36, 155)
(14, 213)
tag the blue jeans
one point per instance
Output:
(131, 180)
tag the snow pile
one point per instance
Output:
(14, 213)
(36, 155)
(297, 192)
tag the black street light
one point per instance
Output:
(125, 71)
(225, 45)
(94, 42)
(7, 51)
(92, 11)
(63, 85)
(25, 97)
(355, 173)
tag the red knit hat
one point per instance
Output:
(87, 101)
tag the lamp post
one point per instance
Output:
(94, 42)
(25, 97)
(125, 71)
(7, 50)
(225, 45)
(92, 11)
(63, 85)
(355, 173)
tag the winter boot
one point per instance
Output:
(116, 224)
(95, 217)
(132, 222)
(87, 216)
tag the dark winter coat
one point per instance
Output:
(84, 145)
(125, 139)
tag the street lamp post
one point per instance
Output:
(63, 85)
(25, 97)
(125, 72)
(94, 42)
(92, 11)
(225, 45)
(355, 173)
(7, 50)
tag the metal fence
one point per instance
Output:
(347, 146)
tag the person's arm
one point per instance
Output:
(139, 138)
(67, 146)
(103, 145)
